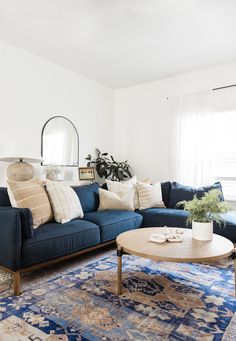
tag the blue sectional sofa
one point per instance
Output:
(23, 249)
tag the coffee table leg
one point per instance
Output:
(119, 270)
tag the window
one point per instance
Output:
(224, 147)
(224, 152)
(203, 147)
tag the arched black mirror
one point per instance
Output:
(60, 142)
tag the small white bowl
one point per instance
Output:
(158, 238)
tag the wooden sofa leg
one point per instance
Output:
(16, 283)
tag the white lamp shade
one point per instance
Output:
(21, 158)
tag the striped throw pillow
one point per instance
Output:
(149, 195)
(65, 202)
(31, 194)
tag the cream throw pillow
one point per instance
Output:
(65, 202)
(116, 201)
(31, 194)
(117, 187)
(149, 195)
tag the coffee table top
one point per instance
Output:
(136, 242)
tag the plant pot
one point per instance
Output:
(202, 231)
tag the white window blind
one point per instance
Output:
(224, 146)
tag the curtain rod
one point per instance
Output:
(219, 88)
(224, 87)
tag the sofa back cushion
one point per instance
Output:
(4, 198)
(181, 192)
(88, 196)
(165, 189)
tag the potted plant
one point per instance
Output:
(203, 211)
(108, 168)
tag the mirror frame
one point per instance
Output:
(44, 126)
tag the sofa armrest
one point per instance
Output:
(26, 223)
(10, 238)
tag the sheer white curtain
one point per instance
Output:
(192, 138)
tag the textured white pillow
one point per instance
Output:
(65, 202)
(117, 187)
(116, 201)
(149, 195)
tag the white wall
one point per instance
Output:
(136, 126)
(32, 90)
(143, 122)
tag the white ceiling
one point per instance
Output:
(122, 43)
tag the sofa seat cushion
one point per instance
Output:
(54, 240)
(164, 217)
(113, 222)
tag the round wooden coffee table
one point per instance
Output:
(136, 243)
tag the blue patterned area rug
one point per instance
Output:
(160, 301)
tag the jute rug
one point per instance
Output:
(160, 301)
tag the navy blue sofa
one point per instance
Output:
(23, 249)
(174, 216)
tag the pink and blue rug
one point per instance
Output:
(160, 301)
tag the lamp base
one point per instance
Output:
(20, 171)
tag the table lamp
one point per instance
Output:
(21, 169)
